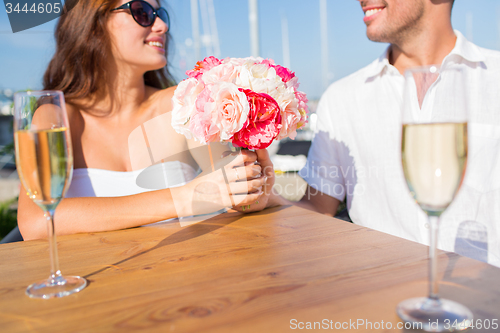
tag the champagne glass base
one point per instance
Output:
(435, 315)
(59, 287)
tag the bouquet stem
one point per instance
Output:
(211, 158)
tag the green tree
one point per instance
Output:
(8, 217)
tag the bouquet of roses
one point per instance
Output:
(248, 102)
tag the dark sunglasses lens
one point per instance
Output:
(162, 13)
(142, 12)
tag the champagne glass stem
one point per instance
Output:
(55, 273)
(433, 281)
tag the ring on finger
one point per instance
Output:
(237, 174)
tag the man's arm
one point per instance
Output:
(319, 202)
(312, 200)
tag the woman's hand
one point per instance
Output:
(268, 198)
(235, 182)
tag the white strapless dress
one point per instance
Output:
(105, 183)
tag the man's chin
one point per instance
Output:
(377, 36)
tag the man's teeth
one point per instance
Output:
(372, 11)
(157, 44)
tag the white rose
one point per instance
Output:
(259, 78)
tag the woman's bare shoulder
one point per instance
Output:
(156, 93)
(161, 99)
(73, 113)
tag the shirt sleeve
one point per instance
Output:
(323, 170)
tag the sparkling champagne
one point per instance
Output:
(45, 167)
(434, 161)
(44, 160)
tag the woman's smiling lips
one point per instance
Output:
(157, 43)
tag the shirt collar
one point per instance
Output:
(466, 50)
(463, 48)
(379, 64)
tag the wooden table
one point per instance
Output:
(264, 272)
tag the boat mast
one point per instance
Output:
(324, 43)
(253, 17)
(195, 26)
(285, 41)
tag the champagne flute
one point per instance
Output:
(44, 161)
(434, 157)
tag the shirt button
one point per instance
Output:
(426, 226)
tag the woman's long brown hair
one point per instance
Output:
(83, 47)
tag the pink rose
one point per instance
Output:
(183, 102)
(235, 61)
(268, 62)
(303, 108)
(302, 99)
(264, 122)
(284, 73)
(294, 115)
(290, 119)
(201, 124)
(203, 66)
(221, 111)
(223, 72)
(294, 83)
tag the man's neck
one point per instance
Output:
(427, 48)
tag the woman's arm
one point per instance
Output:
(209, 192)
(94, 214)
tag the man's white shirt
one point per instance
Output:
(356, 153)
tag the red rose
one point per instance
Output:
(263, 124)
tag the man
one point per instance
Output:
(356, 152)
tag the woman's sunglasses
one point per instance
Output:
(145, 14)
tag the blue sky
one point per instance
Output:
(24, 55)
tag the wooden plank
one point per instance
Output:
(244, 273)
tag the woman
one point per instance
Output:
(110, 63)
